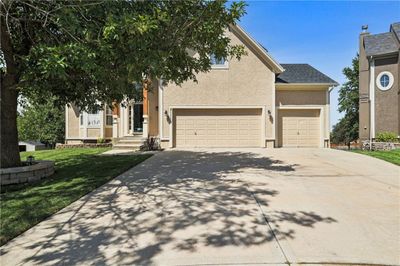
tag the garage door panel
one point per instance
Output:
(299, 128)
(218, 128)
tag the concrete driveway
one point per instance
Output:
(244, 206)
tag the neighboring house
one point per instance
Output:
(254, 102)
(379, 82)
(31, 146)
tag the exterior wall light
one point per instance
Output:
(30, 160)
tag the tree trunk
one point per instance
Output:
(9, 134)
(8, 104)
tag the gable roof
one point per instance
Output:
(395, 27)
(380, 44)
(303, 74)
(383, 43)
(276, 67)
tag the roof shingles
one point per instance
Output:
(380, 44)
(302, 73)
(396, 29)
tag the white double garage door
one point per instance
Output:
(243, 128)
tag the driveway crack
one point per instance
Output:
(269, 225)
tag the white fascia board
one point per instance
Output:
(307, 84)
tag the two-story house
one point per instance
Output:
(379, 82)
(252, 102)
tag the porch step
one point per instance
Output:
(133, 137)
(126, 147)
(129, 143)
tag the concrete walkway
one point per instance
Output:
(243, 206)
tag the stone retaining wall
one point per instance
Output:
(380, 146)
(24, 174)
(83, 145)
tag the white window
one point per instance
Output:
(89, 120)
(384, 80)
(109, 116)
(221, 63)
(93, 120)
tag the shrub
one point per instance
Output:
(101, 140)
(386, 137)
(150, 144)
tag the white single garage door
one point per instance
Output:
(217, 127)
(299, 128)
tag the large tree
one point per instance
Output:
(86, 52)
(346, 130)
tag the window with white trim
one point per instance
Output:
(218, 62)
(384, 80)
(89, 120)
(109, 116)
(93, 120)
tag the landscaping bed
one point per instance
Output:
(392, 156)
(78, 172)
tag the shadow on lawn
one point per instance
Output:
(178, 200)
(24, 205)
(66, 169)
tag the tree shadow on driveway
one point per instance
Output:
(177, 202)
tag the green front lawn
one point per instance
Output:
(392, 156)
(78, 171)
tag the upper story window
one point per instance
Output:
(218, 62)
(384, 80)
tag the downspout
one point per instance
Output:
(371, 102)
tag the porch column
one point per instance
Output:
(115, 114)
(145, 110)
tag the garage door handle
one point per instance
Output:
(195, 133)
(298, 133)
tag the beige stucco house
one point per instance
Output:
(254, 102)
(379, 83)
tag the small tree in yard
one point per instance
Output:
(346, 130)
(42, 122)
(86, 52)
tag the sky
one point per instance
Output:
(323, 34)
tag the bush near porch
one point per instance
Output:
(78, 172)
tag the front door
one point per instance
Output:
(135, 117)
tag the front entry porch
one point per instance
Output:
(131, 121)
(130, 126)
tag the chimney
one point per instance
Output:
(364, 28)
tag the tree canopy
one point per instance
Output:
(86, 52)
(346, 130)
